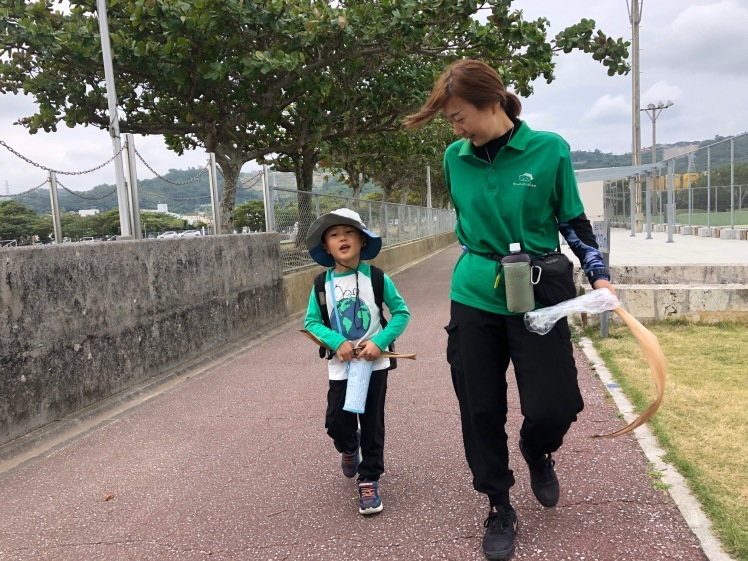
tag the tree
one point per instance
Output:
(20, 223)
(245, 79)
(250, 214)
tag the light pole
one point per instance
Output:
(634, 8)
(653, 111)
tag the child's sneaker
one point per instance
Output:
(349, 462)
(369, 501)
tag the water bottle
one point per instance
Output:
(520, 297)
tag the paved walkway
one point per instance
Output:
(232, 461)
(638, 250)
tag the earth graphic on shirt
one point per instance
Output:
(355, 317)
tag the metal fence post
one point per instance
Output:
(214, 201)
(55, 207)
(632, 206)
(708, 186)
(670, 200)
(267, 195)
(732, 182)
(649, 206)
(132, 187)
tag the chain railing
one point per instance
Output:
(76, 194)
(294, 211)
(164, 179)
(58, 172)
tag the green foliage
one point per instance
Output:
(250, 214)
(156, 222)
(20, 223)
(248, 78)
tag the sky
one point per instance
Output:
(692, 52)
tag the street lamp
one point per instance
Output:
(653, 111)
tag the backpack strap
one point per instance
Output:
(319, 290)
(377, 284)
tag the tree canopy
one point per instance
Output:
(247, 79)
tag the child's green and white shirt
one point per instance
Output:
(357, 318)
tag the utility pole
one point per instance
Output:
(635, 17)
(119, 170)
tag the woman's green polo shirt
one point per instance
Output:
(519, 197)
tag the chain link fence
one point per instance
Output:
(710, 186)
(294, 211)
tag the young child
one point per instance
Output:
(340, 240)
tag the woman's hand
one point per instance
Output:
(602, 283)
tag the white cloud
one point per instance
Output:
(704, 39)
(608, 108)
(660, 91)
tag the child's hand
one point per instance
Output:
(345, 352)
(369, 351)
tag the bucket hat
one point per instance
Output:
(341, 216)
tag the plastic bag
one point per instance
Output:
(597, 301)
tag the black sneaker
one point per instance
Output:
(543, 478)
(501, 527)
(349, 462)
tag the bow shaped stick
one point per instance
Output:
(385, 354)
(602, 300)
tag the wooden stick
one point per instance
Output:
(385, 354)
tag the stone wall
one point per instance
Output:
(81, 322)
(699, 293)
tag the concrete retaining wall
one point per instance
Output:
(679, 274)
(698, 303)
(81, 322)
(700, 293)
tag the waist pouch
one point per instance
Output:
(553, 278)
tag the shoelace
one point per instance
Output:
(495, 524)
(368, 492)
(349, 459)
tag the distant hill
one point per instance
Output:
(720, 155)
(184, 191)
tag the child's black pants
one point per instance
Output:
(342, 425)
(479, 347)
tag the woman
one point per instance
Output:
(509, 184)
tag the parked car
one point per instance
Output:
(190, 234)
(87, 239)
(168, 235)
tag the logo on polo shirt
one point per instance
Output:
(524, 180)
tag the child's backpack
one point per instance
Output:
(377, 283)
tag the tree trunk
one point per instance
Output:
(230, 171)
(304, 164)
